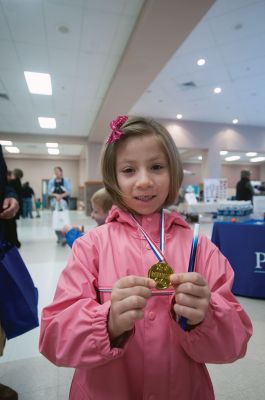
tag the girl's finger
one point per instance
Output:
(184, 277)
(193, 316)
(194, 290)
(191, 301)
(120, 294)
(130, 303)
(132, 280)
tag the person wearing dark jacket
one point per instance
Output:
(27, 196)
(244, 189)
(9, 207)
(11, 226)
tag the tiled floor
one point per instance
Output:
(35, 378)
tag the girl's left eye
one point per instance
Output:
(127, 170)
(157, 166)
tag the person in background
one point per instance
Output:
(101, 203)
(59, 189)
(9, 207)
(27, 196)
(11, 226)
(109, 320)
(38, 205)
(244, 189)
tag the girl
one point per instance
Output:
(109, 320)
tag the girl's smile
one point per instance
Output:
(143, 174)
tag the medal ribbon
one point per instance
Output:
(157, 252)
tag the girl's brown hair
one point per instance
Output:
(140, 126)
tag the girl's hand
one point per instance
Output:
(128, 299)
(192, 296)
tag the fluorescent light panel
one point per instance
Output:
(38, 83)
(52, 145)
(6, 142)
(48, 123)
(257, 159)
(251, 154)
(223, 152)
(53, 151)
(232, 158)
(12, 149)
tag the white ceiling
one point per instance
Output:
(82, 62)
(231, 38)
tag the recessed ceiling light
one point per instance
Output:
(53, 151)
(235, 121)
(179, 116)
(12, 149)
(251, 154)
(223, 152)
(6, 142)
(232, 158)
(257, 159)
(217, 90)
(48, 123)
(200, 158)
(38, 83)
(51, 144)
(201, 62)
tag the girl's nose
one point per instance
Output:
(144, 180)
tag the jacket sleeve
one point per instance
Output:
(74, 327)
(223, 335)
(72, 235)
(10, 192)
(50, 186)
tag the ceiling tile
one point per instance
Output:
(57, 16)
(33, 57)
(25, 20)
(226, 28)
(9, 59)
(99, 31)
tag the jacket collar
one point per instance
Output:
(150, 223)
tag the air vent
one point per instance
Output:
(188, 85)
(4, 96)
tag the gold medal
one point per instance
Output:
(160, 273)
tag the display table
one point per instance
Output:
(243, 244)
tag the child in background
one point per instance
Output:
(38, 205)
(108, 318)
(101, 203)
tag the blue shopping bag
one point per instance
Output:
(18, 295)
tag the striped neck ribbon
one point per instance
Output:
(158, 252)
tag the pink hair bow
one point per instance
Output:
(115, 125)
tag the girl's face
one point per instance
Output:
(143, 174)
(98, 214)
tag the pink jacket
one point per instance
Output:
(159, 361)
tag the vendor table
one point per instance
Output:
(243, 244)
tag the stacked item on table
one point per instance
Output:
(234, 211)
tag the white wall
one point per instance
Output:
(231, 172)
(35, 170)
(216, 137)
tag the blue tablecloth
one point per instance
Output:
(243, 244)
